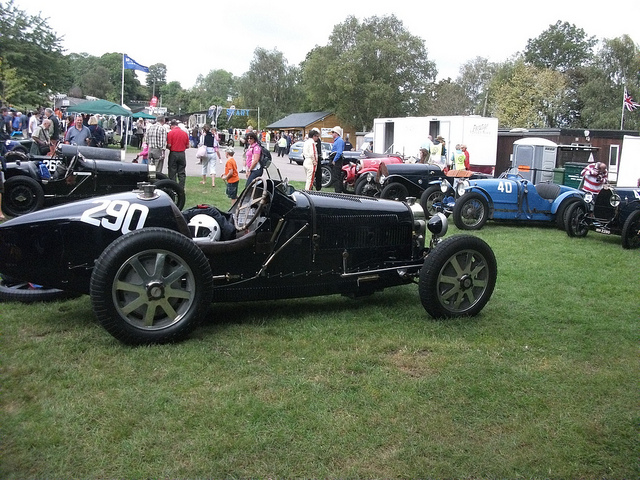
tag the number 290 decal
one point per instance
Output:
(116, 215)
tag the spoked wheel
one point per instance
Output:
(458, 277)
(327, 176)
(151, 286)
(431, 199)
(631, 231)
(574, 223)
(471, 211)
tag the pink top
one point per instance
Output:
(251, 152)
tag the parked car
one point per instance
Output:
(511, 197)
(355, 169)
(613, 211)
(33, 182)
(295, 152)
(400, 181)
(19, 144)
(153, 271)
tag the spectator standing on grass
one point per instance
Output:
(338, 147)
(254, 150)
(467, 164)
(177, 143)
(156, 138)
(230, 175)
(310, 156)
(78, 134)
(318, 174)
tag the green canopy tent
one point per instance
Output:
(101, 107)
(142, 114)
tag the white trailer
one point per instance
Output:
(629, 167)
(405, 135)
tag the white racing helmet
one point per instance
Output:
(204, 229)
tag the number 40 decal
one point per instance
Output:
(116, 215)
(505, 187)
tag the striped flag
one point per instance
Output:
(628, 102)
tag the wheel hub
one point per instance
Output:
(155, 290)
(466, 282)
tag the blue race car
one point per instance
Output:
(510, 197)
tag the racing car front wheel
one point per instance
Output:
(151, 286)
(574, 223)
(327, 176)
(458, 277)
(431, 199)
(471, 211)
(21, 195)
(631, 231)
(175, 191)
(395, 191)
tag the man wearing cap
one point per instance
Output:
(177, 143)
(156, 138)
(338, 147)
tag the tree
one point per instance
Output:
(474, 78)
(28, 46)
(269, 84)
(156, 78)
(368, 70)
(561, 47)
(530, 98)
(218, 87)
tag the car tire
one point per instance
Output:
(175, 191)
(231, 143)
(431, 195)
(365, 188)
(12, 290)
(562, 209)
(327, 176)
(151, 286)
(631, 231)
(458, 277)
(573, 220)
(21, 195)
(471, 211)
(395, 191)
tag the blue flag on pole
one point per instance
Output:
(131, 64)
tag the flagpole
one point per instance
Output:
(624, 95)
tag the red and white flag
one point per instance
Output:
(628, 102)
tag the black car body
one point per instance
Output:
(613, 211)
(34, 182)
(403, 180)
(152, 271)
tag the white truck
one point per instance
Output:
(629, 166)
(405, 135)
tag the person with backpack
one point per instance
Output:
(254, 152)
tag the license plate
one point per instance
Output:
(606, 231)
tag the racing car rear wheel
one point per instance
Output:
(21, 195)
(631, 231)
(471, 211)
(574, 223)
(175, 191)
(327, 176)
(458, 277)
(395, 191)
(151, 286)
(12, 290)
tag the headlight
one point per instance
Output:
(462, 187)
(371, 177)
(382, 179)
(614, 200)
(444, 187)
(588, 197)
(438, 224)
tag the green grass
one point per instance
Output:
(543, 383)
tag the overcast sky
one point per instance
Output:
(193, 38)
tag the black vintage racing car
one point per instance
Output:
(152, 271)
(74, 173)
(613, 211)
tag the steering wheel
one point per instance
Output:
(250, 204)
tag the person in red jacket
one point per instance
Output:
(177, 143)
